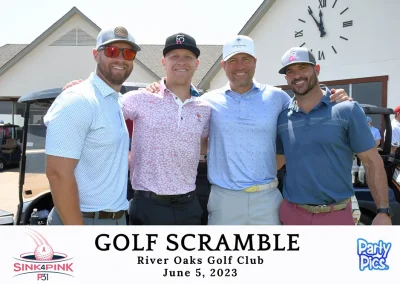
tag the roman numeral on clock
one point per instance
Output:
(347, 24)
(298, 34)
(321, 55)
(322, 4)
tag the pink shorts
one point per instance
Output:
(291, 214)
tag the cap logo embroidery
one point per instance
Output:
(121, 32)
(292, 56)
(239, 45)
(180, 39)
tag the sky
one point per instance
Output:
(150, 21)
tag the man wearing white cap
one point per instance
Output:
(242, 165)
(87, 168)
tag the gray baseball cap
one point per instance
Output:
(119, 33)
(296, 55)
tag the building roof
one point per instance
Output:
(28, 48)
(150, 56)
(8, 51)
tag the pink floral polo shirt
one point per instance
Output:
(165, 140)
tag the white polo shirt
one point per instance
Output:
(86, 123)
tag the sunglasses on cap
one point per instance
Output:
(113, 52)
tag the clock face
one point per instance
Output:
(323, 27)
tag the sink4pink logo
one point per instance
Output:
(43, 261)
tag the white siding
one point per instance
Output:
(371, 49)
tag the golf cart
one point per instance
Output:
(363, 194)
(10, 151)
(33, 186)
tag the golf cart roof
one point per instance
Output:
(371, 109)
(9, 125)
(48, 96)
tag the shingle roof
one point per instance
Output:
(150, 56)
(8, 51)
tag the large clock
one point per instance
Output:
(323, 27)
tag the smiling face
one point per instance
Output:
(302, 77)
(113, 71)
(180, 65)
(240, 70)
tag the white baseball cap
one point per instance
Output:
(240, 44)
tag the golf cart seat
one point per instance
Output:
(10, 146)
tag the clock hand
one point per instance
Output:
(321, 25)
(311, 14)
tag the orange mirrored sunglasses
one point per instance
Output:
(113, 52)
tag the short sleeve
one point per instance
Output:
(68, 123)
(206, 129)
(359, 133)
(130, 104)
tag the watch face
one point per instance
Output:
(323, 27)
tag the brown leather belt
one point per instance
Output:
(325, 208)
(104, 214)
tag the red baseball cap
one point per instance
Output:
(397, 109)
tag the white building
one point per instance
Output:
(358, 52)
(63, 53)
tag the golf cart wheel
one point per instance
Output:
(2, 165)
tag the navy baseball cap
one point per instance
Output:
(119, 33)
(296, 55)
(181, 41)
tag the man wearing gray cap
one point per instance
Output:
(87, 141)
(318, 138)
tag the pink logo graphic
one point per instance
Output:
(43, 250)
(292, 58)
(43, 260)
(180, 39)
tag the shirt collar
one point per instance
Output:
(164, 90)
(324, 100)
(104, 89)
(227, 88)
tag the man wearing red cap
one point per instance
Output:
(396, 129)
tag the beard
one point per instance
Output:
(113, 77)
(310, 84)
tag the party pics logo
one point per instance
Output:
(373, 256)
(43, 261)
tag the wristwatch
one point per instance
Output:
(387, 211)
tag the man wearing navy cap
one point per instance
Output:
(169, 127)
(87, 141)
(318, 139)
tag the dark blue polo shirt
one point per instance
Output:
(318, 148)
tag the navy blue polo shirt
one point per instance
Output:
(318, 148)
